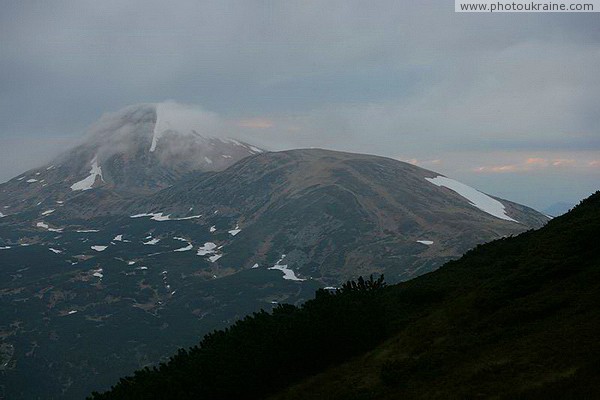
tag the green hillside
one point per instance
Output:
(515, 318)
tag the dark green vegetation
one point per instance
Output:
(517, 318)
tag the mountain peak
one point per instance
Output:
(182, 119)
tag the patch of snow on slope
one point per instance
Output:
(161, 217)
(186, 248)
(2, 215)
(212, 229)
(187, 218)
(206, 249)
(46, 226)
(88, 182)
(118, 238)
(154, 216)
(215, 257)
(54, 250)
(152, 241)
(480, 200)
(427, 242)
(87, 230)
(47, 212)
(288, 274)
(235, 231)
(99, 248)
(4, 247)
(31, 180)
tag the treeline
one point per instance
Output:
(265, 352)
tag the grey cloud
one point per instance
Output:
(384, 77)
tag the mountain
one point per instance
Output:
(339, 215)
(136, 151)
(516, 318)
(559, 208)
(132, 244)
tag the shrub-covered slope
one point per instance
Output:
(515, 318)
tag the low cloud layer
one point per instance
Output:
(412, 81)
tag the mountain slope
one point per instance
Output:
(132, 244)
(135, 151)
(339, 215)
(515, 318)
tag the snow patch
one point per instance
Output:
(88, 182)
(152, 241)
(154, 216)
(118, 238)
(87, 230)
(288, 274)
(215, 257)
(186, 248)
(47, 212)
(255, 266)
(206, 249)
(427, 242)
(187, 218)
(212, 229)
(476, 198)
(54, 250)
(99, 248)
(235, 231)
(46, 226)
(4, 247)
(31, 180)
(161, 217)
(208, 160)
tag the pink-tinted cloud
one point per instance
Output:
(537, 161)
(563, 162)
(535, 164)
(416, 161)
(498, 168)
(256, 123)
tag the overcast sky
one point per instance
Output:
(508, 103)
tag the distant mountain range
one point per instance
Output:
(152, 232)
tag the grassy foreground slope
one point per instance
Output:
(518, 318)
(515, 318)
